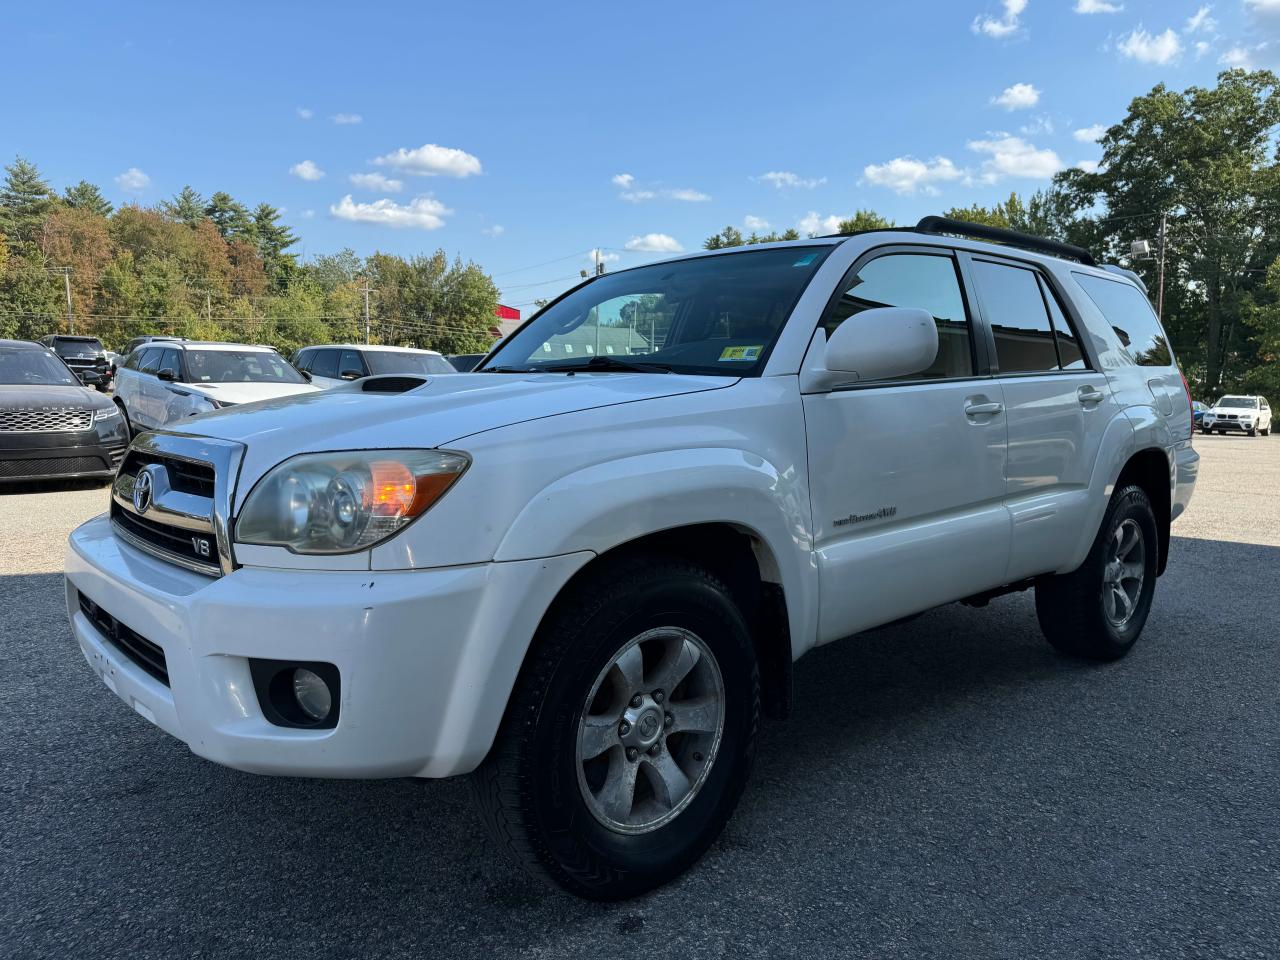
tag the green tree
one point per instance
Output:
(864, 220)
(230, 217)
(187, 207)
(24, 200)
(273, 239)
(728, 237)
(86, 196)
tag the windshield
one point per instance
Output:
(1238, 402)
(239, 366)
(388, 361)
(716, 315)
(77, 348)
(34, 367)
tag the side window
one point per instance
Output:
(302, 358)
(1069, 353)
(351, 360)
(1015, 309)
(149, 362)
(927, 281)
(169, 360)
(131, 361)
(325, 364)
(1131, 317)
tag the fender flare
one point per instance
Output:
(609, 504)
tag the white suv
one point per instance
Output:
(1250, 415)
(582, 572)
(165, 382)
(336, 364)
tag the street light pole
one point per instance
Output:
(1164, 222)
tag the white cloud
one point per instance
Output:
(1090, 134)
(1201, 21)
(687, 195)
(606, 257)
(1098, 6)
(308, 214)
(306, 113)
(431, 160)
(425, 213)
(908, 175)
(133, 180)
(1038, 126)
(814, 223)
(1159, 48)
(345, 119)
(1004, 25)
(785, 179)
(633, 194)
(376, 181)
(623, 180)
(1088, 166)
(1020, 96)
(1241, 57)
(306, 170)
(496, 230)
(1010, 156)
(750, 222)
(654, 243)
(1265, 7)
(1201, 48)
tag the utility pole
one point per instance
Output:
(1164, 223)
(366, 311)
(66, 285)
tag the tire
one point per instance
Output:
(536, 794)
(1073, 608)
(1253, 432)
(128, 424)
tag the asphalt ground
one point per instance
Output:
(947, 788)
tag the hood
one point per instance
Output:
(444, 409)
(241, 392)
(24, 395)
(1238, 411)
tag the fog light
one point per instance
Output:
(312, 694)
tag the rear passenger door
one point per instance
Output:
(1056, 406)
(324, 369)
(144, 407)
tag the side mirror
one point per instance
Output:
(883, 343)
(167, 375)
(350, 375)
(91, 377)
(305, 375)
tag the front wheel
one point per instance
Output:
(630, 733)
(1098, 611)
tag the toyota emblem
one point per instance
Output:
(142, 491)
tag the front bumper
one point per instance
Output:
(1228, 425)
(54, 455)
(427, 658)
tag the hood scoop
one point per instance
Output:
(392, 383)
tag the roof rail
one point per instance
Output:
(1124, 272)
(1013, 238)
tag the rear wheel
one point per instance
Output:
(1098, 611)
(630, 733)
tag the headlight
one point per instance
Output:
(106, 413)
(344, 502)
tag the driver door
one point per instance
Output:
(907, 477)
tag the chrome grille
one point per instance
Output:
(171, 498)
(44, 419)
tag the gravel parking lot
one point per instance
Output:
(947, 788)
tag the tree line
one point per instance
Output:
(1196, 174)
(215, 270)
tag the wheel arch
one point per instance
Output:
(1151, 469)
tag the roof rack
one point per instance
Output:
(1013, 238)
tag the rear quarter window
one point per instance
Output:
(1129, 313)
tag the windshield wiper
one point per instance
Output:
(604, 362)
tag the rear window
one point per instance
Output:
(78, 347)
(1131, 317)
(381, 362)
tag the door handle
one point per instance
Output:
(980, 409)
(1090, 395)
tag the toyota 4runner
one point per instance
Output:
(581, 573)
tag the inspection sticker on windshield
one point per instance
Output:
(804, 261)
(741, 353)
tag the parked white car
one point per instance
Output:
(1250, 415)
(336, 364)
(582, 572)
(166, 382)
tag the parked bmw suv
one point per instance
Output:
(1248, 415)
(51, 425)
(583, 572)
(82, 354)
(164, 382)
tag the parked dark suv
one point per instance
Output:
(82, 354)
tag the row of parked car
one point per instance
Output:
(56, 422)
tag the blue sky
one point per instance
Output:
(524, 135)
